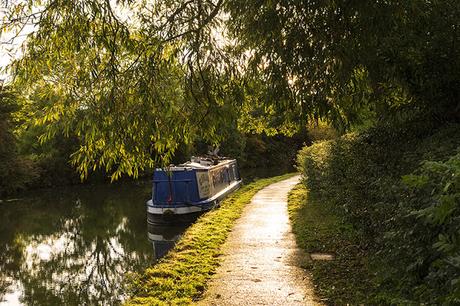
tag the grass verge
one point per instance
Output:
(344, 280)
(181, 276)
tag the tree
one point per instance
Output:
(336, 58)
(135, 79)
(132, 91)
(15, 171)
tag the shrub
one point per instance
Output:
(359, 176)
(427, 237)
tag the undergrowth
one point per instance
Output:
(182, 275)
(398, 186)
(318, 229)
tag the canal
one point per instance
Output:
(78, 245)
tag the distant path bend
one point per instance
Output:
(259, 265)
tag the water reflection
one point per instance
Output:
(163, 237)
(74, 247)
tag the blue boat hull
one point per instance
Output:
(158, 213)
(181, 193)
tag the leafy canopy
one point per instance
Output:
(132, 79)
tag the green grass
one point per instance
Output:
(318, 229)
(181, 276)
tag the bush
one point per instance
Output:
(428, 232)
(359, 176)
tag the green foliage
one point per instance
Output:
(181, 276)
(262, 151)
(15, 170)
(131, 90)
(358, 176)
(355, 61)
(51, 158)
(320, 130)
(252, 150)
(133, 80)
(429, 230)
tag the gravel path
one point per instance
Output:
(259, 264)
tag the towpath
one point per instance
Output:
(260, 255)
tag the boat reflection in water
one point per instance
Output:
(164, 237)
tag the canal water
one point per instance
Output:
(77, 245)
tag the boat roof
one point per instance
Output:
(200, 162)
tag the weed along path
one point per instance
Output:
(259, 261)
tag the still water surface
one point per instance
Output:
(75, 246)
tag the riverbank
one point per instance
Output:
(183, 274)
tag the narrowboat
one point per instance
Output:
(181, 193)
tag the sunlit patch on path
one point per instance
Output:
(259, 264)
